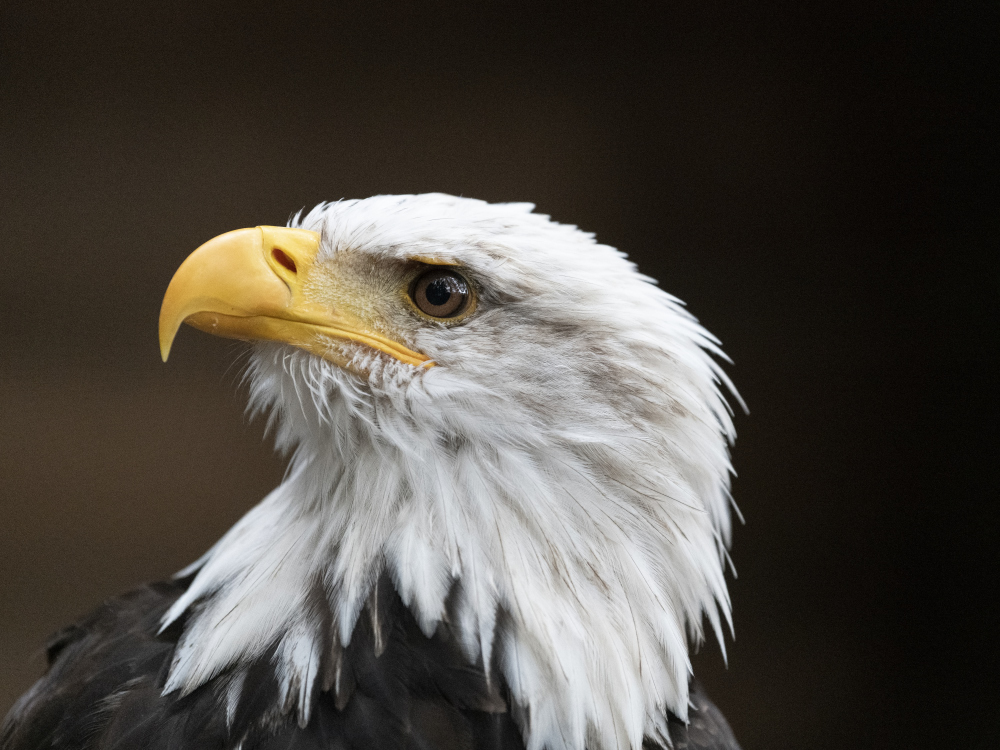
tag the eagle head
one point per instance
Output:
(524, 434)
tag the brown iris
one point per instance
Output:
(440, 293)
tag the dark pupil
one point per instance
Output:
(439, 291)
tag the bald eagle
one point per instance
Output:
(505, 515)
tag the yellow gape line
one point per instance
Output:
(247, 284)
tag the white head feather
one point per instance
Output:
(566, 464)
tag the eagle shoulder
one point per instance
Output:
(395, 688)
(103, 686)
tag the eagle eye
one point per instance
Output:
(440, 293)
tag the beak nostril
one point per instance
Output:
(284, 259)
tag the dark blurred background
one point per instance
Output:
(812, 178)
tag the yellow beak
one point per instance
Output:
(248, 284)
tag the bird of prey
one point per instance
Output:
(505, 516)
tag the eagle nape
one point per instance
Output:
(504, 521)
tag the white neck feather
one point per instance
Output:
(603, 548)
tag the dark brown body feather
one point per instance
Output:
(395, 688)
